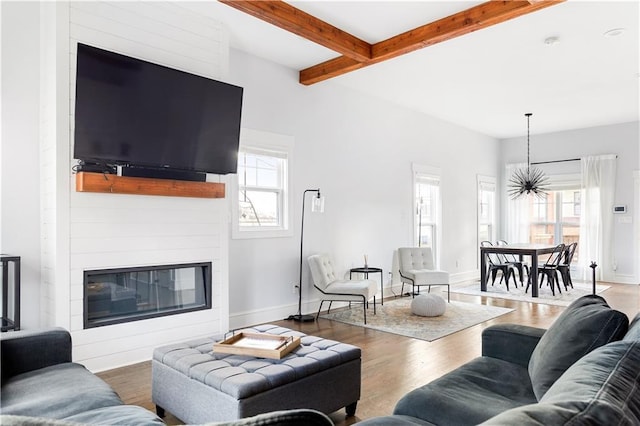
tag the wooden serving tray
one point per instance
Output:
(261, 345)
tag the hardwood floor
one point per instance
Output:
(392, 365)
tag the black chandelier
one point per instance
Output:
(530, 180)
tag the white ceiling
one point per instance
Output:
(485, 80)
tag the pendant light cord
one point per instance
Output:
(528, 115)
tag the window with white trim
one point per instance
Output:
(262, 199)
(486, 208)
(427, 215)
(261, 190)
(555, 217)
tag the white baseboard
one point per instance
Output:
(460, 277)
(261, 316)
(274, 313)
(624, 279)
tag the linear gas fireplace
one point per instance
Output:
(113, 296)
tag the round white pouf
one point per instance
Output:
(428, 305)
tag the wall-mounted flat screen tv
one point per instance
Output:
(136, 113)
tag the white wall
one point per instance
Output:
(621, 139)
(19, 151)
(358, 150)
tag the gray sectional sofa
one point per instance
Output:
(583, 370)
(40, 381)
(42, 386)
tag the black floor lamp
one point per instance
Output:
(317, 205)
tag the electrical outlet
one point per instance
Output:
(294, 289)
(457, 263)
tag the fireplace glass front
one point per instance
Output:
(113, 296)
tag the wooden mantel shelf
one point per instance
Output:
(107, 183)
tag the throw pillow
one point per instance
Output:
(586, 324)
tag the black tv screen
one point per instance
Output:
(133, 112)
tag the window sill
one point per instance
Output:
(237, 234)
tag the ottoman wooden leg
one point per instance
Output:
(351, 409)
(160, 411)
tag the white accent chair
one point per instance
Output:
(343, 290)
(417, 268)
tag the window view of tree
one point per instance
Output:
(555, 218)
(261, 189)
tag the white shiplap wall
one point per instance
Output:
(54, 163)
(47, 162)
(114, 230)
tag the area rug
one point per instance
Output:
(544, 294)
(395, 317)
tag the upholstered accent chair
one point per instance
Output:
(336, 289)
(418, 269)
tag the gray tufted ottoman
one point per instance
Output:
(198, 386)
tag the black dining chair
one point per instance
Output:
(549, 269)
(565, 265)
(515, 261)
(497, 263)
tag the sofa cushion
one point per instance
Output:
(27, 350)
(586, 324)
(473, 393)
(56, 392)
(601, 388)
(13, 420)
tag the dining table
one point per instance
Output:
(518, 249)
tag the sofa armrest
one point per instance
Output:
(511, 342)
(28, 350)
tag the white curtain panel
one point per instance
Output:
(596, 219)
(517, 213)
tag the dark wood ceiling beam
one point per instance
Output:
(461, 23)
(294, 20)
(473, 19)
(357, 53)
(328, 69)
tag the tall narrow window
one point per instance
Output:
(486, 208)
(261, 203)
(427, 208)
